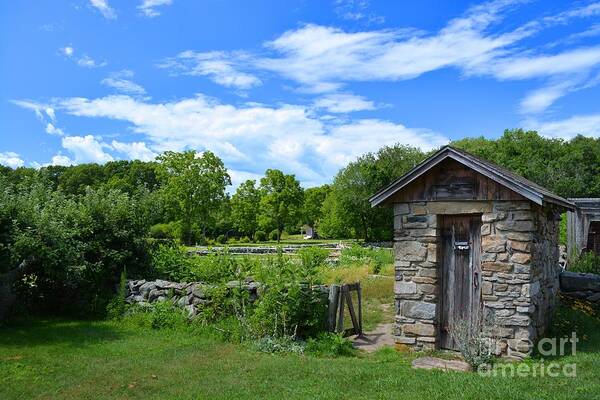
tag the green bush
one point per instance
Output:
(244, 239)
(358, 255)
(312, 258)
(284, 344)
(587, 262)
(165, 231)
(221, 239)
(273, 235)
(330, 345)
(287, 306)
(172, 262)
(116, 307)
(165, 315)
(260, 236)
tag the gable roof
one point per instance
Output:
(530, 190)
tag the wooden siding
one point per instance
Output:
(451, 180)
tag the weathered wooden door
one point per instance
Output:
(460, 299)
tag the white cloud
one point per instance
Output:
(317, 56)
(86, 149)
(104, 8)
(36, 107)
(251, 138)
(88, 62)
(11, 159)
(67, 51)
(53, 130)
(50, 113)
(83, 61)
(220, 67)
(344, 103)
(118, 81)
(356, 10)
(586, 125)
(61, 160)
(135, 150)
(148, 7)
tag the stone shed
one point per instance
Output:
(475, 245)
(583, 226)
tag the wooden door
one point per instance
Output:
(460, 299)
(593, 243)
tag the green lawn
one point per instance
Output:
(106, 360)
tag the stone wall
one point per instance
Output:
(519, 260)
(185, 295)
(580, 286)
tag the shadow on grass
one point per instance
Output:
(576, 316)
(50, 332)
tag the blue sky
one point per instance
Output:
(304, 86)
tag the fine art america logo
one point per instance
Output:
(547, 347)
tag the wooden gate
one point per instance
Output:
(460, 299)
(340, 297)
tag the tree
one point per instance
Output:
(281, 200)
(245, 206)
(312, 209)
(195, 184)
(347, 209)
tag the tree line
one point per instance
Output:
(67, 233)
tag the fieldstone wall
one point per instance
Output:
(580, 286)
(519, 261)
(185, 295)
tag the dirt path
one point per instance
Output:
(373, 340)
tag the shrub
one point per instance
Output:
(260, 236)
(164, 231)
(273, 235)
(116, 307)
(330, 345)
(171, 262)
(284, 344)
(221, 239)
(475, 347)
(312, 258)
(587, 262)
(165, 315)
(244, 239)
(377, 258)
(287, 306)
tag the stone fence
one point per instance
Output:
(580, 286)
(189, 296)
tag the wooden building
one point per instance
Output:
(583, 226)
(474, 244)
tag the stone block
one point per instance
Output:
(424, 279)
(500, 287)
(487, 257)
(405, 340)
(418, 209)
(486, 287)
(427, 288)
(405, 287)
(574, 281)
(491, 217)
(410, 251)
(524, 247)
(496, 267)
(401, 209)
(432, 252)
(486, 229)
(418, 310)
(428, 272)
(502, 257)
(522, 269)
(493, 244)
(521, 258)
(419, 329)
(515, 226)
(423, 232)
(520, 236)
(521, 215)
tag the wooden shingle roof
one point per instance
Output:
(528, 189)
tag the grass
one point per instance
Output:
(108, 360)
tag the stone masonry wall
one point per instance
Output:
(518, 246)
